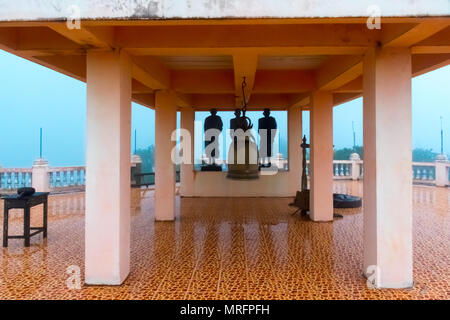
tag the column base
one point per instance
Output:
(401, 285)
(165, 220)
(105, 282)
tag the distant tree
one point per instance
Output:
(423, 155)
(344, 153)
(148, 158)
(360, 150)
(418, 155)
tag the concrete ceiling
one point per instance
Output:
(204, 63)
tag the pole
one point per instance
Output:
(354, 136)
(40, 143)
(135, 141)
(442, 138)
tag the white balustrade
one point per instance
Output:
(15, 178)
(69, 178)
(424, 172)
(66, 177)
(342, 169)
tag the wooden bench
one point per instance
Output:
(25, 203)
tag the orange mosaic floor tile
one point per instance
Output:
(219, 248)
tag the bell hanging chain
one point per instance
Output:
(244, 99)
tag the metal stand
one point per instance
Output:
(302, 197)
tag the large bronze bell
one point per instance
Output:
(243, 151)
(246, 150)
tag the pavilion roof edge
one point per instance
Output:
(39, 10)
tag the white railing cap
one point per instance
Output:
(53, 169)
(15, 170)
(424, 164)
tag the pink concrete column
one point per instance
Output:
(387, 168)
(294, 149)
(166, 121)
(108, 135)
(321, 196)
(187, 170)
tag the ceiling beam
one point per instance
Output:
(37, 41)
(410, 35)
(352, 86)
(203, 81)
(437, 43)
(218, 101)
(436, 49)
(273, 101)
(138, 87)
(423, 63)
(223, 81)
(148, 99)
(93, 37)
(72, 66)
(183, 100)
(284, 81)
(337, 71)
(340, 98)
(228, 101)
(246, 36)
(145, 99)
(300, 100)
(266, 50)
(45, 40)
(244, 67)
(151, 72)
(9, 37)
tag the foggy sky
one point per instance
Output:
(33, 96)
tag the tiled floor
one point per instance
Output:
(229, 249)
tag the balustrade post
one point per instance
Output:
(441, 171)
(136, 168)
(355, 159)
(40, 180)
(2, 176)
